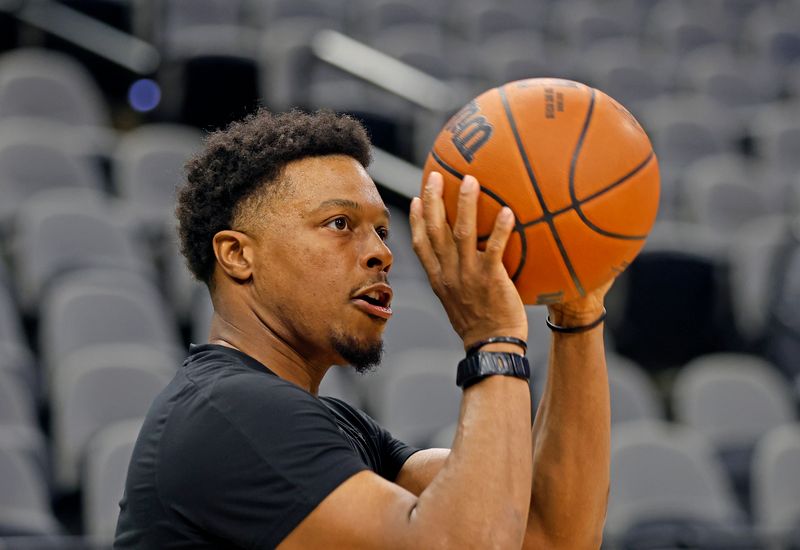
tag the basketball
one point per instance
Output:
(574, 166)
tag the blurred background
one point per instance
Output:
(102, 101)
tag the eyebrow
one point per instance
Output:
(346, 203)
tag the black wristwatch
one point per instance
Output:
(479, 365)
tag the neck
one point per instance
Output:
(256, 337)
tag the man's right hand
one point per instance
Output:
(473, 286)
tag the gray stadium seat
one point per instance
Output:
(24, 505)
(95, 387)
(783, 335)
(419, 325)
(28, 442)
(380, 16)
(56, 232)
(17, 403)
(418, 395)
(719, 194)
(339, 382)
(663, 471)
(512, 55)
(287, 61)
(105, 469)
(35, 158)
(77, 315)
(753, 251)
(48, 84)
(10, 321)
(776, 481)
(405, 264)
(17, 361)
(200, 315)
(478, 22)
(733, 399)
(776, 132)
(633, 394)
(148, 166)
(275, 13)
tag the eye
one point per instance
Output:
(340, 223)
(383, 233)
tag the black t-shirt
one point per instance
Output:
(232, 456)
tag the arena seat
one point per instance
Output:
(48, 84)
(512, 55)
(783, 333)
(732, 399)
(719, 194)
(275, 14)
(10, 323)
(17, 403)
(633, 394)
(419, 396)
(339, 383)
(28, 442)
(105, 468)
(662, 472)
(59, 231)
(77, 314)
(776, 133)
(479, 22)
(287, 61)
(178, 20)
(753, 252)
(775, 483)
(35, 158)
(24, 499)
(148, 166)
(18, 361)
(419, 325)
(95, 387)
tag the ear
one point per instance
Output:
(234, 251)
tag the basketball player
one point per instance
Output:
(280, 219)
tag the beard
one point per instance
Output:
(364, 357)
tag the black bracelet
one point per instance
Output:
(498, 340)
(575, 330)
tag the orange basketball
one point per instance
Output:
(573, 165)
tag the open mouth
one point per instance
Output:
(375, 301)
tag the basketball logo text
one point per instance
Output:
(470, 130)
(553, 102)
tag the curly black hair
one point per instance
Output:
(244, 157)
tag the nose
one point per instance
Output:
(377, 255)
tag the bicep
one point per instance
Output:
(420, 469)
(365, 512)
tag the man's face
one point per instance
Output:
(321, 263)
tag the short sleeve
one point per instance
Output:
(257, 457)
(388, 453)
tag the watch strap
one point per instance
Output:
(479, 365)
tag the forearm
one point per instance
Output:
(571, 447)
(480, 497)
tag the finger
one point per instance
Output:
(441, 238)
(464, 230)
(420, 241)
(503, 226)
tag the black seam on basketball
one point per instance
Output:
(547, 216)
(517, 226)
(596, 194)
(620, 181)
(573, 165)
